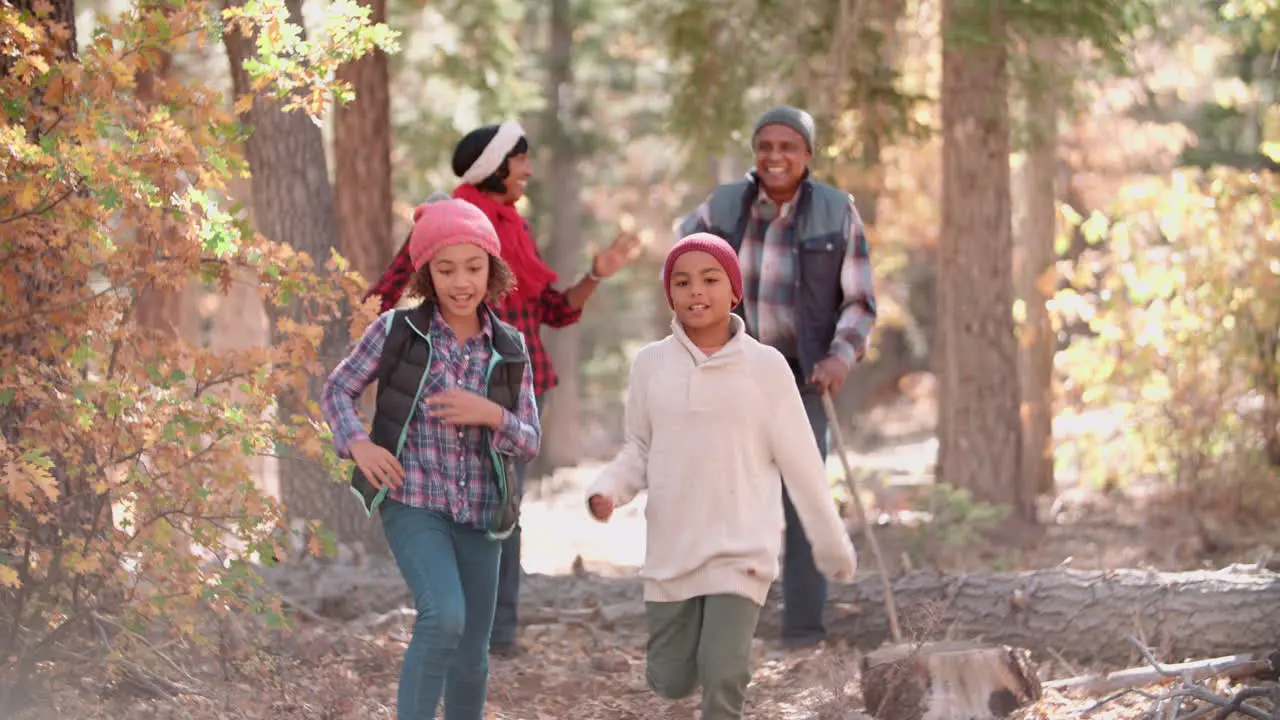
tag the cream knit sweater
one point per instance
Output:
(713, 439)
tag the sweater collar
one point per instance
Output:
(730, 352)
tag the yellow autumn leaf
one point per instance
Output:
(28, 196)
(9, 577)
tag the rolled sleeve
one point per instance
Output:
(858, 309)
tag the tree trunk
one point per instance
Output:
(561, 441)
(362, 155)
(293, 203)
(979, 437)
(159, 308)
(1085, 615)
(1034, 269)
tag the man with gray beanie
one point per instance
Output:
(807, 291)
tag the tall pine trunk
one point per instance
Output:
(979, 437)
(159, 308)
(293, 203)
(362, 156)
(1034, 270)
(561, 441)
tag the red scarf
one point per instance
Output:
(518, 250)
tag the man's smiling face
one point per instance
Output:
(781, 159)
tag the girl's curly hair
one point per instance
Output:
(501, 281)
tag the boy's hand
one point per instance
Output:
(379, 466)
(459, 407)
(601, 507)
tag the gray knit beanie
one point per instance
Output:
(794, 118)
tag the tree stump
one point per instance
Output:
(947, 681)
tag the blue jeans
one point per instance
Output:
(804, 589)
(452, 572)
(505, 617)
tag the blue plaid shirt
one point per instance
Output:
(447, 468)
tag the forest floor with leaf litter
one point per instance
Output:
(583, 630)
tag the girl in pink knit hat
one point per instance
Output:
(455, 413)
(714, 428)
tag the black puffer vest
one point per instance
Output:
(401, 374)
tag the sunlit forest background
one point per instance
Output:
(1072, 215)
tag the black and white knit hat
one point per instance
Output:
(483, 152)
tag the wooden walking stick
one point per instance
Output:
(932, 680)
(837, 437)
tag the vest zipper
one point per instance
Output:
(499, 467)
(422, 381)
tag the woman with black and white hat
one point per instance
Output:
(493, 166)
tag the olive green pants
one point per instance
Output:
(704, 641)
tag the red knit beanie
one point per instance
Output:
(711, 245)
(448, 222)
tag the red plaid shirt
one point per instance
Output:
(550, 308)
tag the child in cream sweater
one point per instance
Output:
(714, 427)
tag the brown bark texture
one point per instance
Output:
(362, 156)
(947, 681)
(561, 440)
(1034, 270)
(293, 203)
(158, 308)
(979, 435)
(1084, 615)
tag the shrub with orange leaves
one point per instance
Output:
(125, 452)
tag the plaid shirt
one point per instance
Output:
(769, 277)
(447, 467)
(550, 308)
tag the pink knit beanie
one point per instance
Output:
(711, 245)
(448, 222)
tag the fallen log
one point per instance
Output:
(1084, 615)
(1237, 668)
